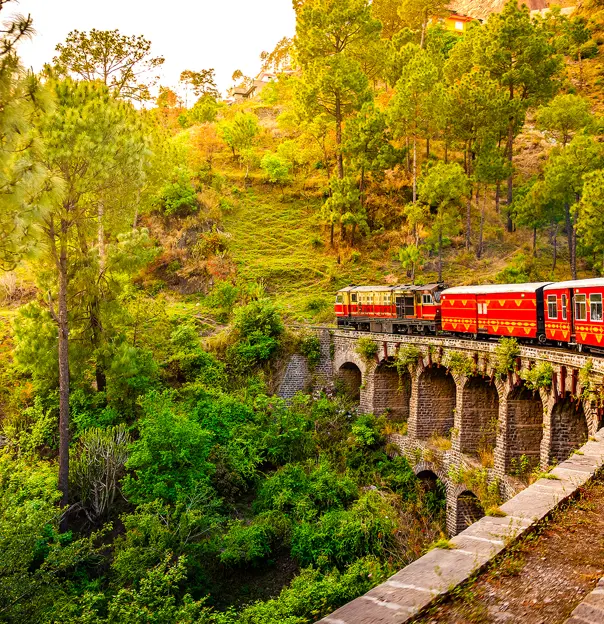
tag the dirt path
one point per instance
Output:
(542, 579)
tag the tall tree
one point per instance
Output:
(203, 83)
(443, 188)
(416, 14)
(475, 107)
(123, 63)
(416, 102)
(327, 34)
(564, 116)
(564, 179)
(23, 180)
(517, 54)
(93, 145)
(589, 222)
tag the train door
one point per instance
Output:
(482, 305)
(405, 307)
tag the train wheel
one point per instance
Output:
(542, 339)
(579, 348)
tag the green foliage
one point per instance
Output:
(408, 355)
(310, 348)
(366, 348)
(179, 196)
(461, 364)
(339, 537)
(170, 456)
(506, 353)
(277, 169)
(539, 376)
(303, 492)
(239, 133)
(251, 544)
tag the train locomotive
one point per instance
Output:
(564, 314)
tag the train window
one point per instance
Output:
(427, 300)
(338, 298)
(437, 297)
(564, 307)
(580, 308)
(595, 307)
(353, 298)
(552, 307)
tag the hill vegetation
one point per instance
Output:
(158, 261)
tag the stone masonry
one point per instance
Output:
(482, 414)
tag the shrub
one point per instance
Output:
(302, 492)
(408, 355)
(461, 364)
(340, 537)
(540, 376)
(506, 353)
(170, 456)
(366, 348)
(310, 347)
(179, 196)
(97, 465)
(251, 544)
(259, 316)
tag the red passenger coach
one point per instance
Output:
(574, 312)
(495, 310)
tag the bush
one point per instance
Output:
(310, 347)
(303, 492)
(171, 455)
(261, 316)
(340, 537)
(253, 543)
(506, 353)
(540, 376)
(367, 349)
(178, 197)
(97, 465)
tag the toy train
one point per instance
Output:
(565, 314)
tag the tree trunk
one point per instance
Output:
(331, 229)
(440, 256)
(481, 231)
(63, 336)
(362, 187)
(427, 147)
(469, 220)
(555, 243)
(510, 195)
(497, 196)
(571, 236)
(352, 231)
(407, 159)
(340, 156)
(534, 241)
(414, 169)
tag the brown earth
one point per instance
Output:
(541, 580)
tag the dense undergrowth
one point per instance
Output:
(232, 506)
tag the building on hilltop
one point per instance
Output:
(247, 92)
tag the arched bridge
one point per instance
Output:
(471, 428)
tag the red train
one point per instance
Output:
(560, 313)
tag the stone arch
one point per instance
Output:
(351, 378)
(524, 427)
(391, 391)
(469, 509)
(569, 428)
(436, 400)
(479, 415)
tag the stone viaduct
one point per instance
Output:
(474, 429)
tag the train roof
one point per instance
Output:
(487, 289)
(583, 283)
(397, 288)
